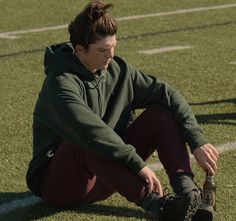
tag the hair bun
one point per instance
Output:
(96, 10)
(96, 13)
(92, 24)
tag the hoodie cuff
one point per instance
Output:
(136, 168)
(195, 139)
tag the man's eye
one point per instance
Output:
(102, 50)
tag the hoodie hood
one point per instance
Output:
(61, 57)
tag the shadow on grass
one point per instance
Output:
(6, 197)
(232, 100)
(38, 210)
(217, 118)
(117, 211)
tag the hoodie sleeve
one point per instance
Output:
(70, 116)
(149, 90)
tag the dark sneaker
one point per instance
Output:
(179, 208)
(204, 213)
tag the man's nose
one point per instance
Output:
(110, 53)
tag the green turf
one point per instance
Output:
(203, 74)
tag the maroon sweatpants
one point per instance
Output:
(76, 177)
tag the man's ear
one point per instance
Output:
(79, 48)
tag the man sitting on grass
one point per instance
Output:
(85, 144)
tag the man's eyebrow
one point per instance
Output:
(107, 46)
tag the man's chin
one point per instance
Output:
(104, 67)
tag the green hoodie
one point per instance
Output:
(93, 110)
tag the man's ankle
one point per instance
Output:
(183, 183)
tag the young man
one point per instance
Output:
(84, 148)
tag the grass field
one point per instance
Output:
(204, 73)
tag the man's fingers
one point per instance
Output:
(150, 184)
(150, 177)
(216, 153)
(212, 157)
(212, 151)
(158, 187)
(209, 169)
(155, 185)
(207, 157)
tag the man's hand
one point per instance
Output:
(153, 183)
(207, 157)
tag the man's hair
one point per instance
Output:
(92, 24)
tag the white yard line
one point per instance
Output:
(182, 11)
(14, 34)
(233, 62)
(221, 148)
(32, 200)
(165, 49)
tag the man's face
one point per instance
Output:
(99, 55)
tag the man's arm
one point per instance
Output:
(149, 90)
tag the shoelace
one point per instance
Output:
(199, 188)
(168, 197)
